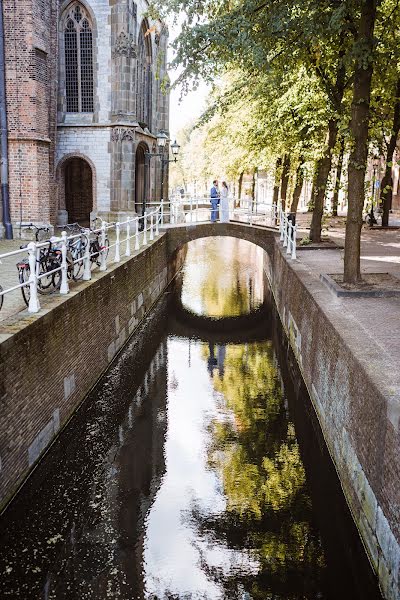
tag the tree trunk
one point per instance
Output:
(298, 187)
(322, 172)
(285, 180)
(359, 124)
(253, 189)
(277, 181)
(339, 169)
(387, 181)
(240, 186)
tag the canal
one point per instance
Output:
(195, 469)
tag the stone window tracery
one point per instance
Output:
(144, 79)
(78, 46)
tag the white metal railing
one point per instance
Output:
(288, 233)
(139, 229)
(199, 210)
(136, 230)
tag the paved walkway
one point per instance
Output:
(373, 324)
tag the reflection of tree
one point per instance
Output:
(268, 510)
(229, 285)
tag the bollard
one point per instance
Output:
(145, 229)
(117, 257)
(251, 217)
(64, 288)
(294, 241)
(103, 257)
(197, 209)
(137, 233)
(33, 306)
(151, 227)
(87, 271)
(191, 210)
(281, 224)
(128, 238)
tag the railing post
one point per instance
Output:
(87, 272)
(151, 227)
(128, 238)
(285, 231)
(103, 257)
(33, 306)
(197, 209)
(117, 257)
(145, 229)
(64, 288)
(162, 213)
(137, 233)
(191, 210)
(281, 224)
(157, 216)
(289, 241)
(294, 242)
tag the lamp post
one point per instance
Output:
(375, 165)
(162, 140)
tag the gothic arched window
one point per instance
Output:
(144, 79)
(78, 44)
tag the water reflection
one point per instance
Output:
(193, 470)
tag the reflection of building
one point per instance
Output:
(84, 101)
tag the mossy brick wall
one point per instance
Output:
(49, 364)
(354, 411)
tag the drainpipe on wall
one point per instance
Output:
(5, 196)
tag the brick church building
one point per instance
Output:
(85, 101)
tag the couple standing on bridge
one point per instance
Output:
(221, 199)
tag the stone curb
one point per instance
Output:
(339, 292)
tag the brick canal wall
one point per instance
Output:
(358, 416)
(50, 361)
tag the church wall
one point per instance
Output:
(92, 143)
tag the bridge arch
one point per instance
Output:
(180, 235)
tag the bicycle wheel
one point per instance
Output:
(46, 279)
(1, 298)
(76, 270)
(42, 234)
(23, 276)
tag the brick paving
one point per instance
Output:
(372, 323)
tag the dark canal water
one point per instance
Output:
(196, 468)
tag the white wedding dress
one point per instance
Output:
(224, 206)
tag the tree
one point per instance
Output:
(359, 131)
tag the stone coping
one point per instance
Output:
(339, 292)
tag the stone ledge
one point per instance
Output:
(339, 292)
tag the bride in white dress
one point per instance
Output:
(224, 204)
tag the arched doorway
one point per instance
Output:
(140, 179)
(78, 179)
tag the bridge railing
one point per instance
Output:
(288, 232)
(54, 261)
(180, 209)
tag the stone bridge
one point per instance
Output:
(179, 235)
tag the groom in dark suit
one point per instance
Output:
(214, 198)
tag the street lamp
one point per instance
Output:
(375, 165)
(175, 147)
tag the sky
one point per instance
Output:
(192, 105)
